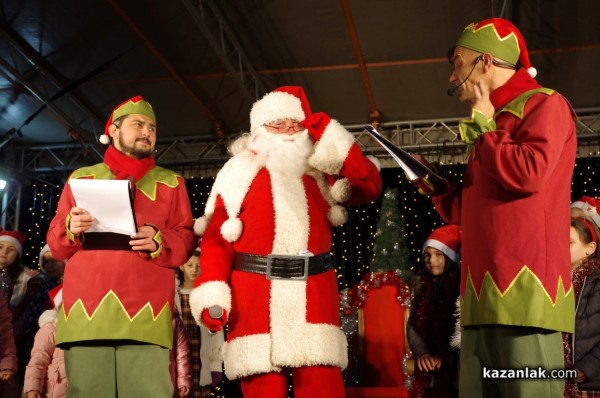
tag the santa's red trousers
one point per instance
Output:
(309, 382)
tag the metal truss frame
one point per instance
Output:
(203, 155)
(226, 46)
(430, 136)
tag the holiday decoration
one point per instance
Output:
(390, 251)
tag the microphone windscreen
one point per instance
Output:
(451, 91)
(215, 311)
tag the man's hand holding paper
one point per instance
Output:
(143, 240)
(80, 220)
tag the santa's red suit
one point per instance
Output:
(255, 210)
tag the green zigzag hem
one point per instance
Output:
(524, 303)
(110, 321)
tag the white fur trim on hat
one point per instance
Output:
(200, 225)
(532, 71)
(436, 244)
(104, 139)
(337, 215)
(208, 294)
(16, 243)
(341, 190)
(274, 106)
(588, 209)
(44, 250)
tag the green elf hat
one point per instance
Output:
(498, 37)
(133, 105)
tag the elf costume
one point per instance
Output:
(124, 295)
(292, 319)
(514, 203)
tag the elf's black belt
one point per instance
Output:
(276, 266)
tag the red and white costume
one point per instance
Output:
(259, 210)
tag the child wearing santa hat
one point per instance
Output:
(431, 322)
(587, 206)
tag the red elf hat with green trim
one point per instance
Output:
(135, 105)
(500, 38)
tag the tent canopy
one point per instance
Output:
(65, 64)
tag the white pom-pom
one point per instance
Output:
(375, 161)
(232, 229)
(532, 71)
(341, 190)
(104, 139)
(200, 225)
(337, 215)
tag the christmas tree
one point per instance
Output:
(390, 249)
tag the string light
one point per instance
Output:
(352, 243)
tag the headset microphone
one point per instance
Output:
(452, 91)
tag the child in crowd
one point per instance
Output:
(207, 362)
(53, 269)
(27, 294)
(431, 322)
(585, 271)
(45, 375)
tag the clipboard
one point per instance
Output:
(110, 203)
(414, 169)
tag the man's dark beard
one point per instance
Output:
(135, 152)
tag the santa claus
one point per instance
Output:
(266, 237)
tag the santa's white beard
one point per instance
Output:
(283, 153)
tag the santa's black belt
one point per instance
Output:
(277, 266)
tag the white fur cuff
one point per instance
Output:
(332, 149)
(209, 294)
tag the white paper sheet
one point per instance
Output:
(108, 201)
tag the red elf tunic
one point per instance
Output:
(124, 294)
(514, 211)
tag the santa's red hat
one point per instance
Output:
(137, 105)
(17, 238)
(56, 296)
(287, 102)
(590, 207)
(446, 239)
(500, 38)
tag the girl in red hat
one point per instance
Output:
(431, 322)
